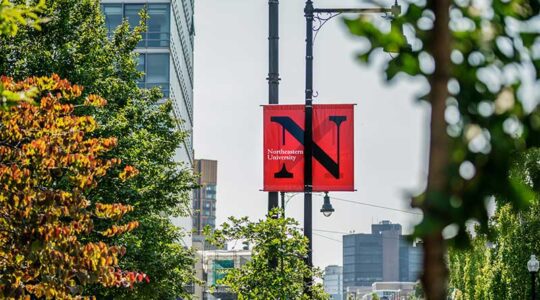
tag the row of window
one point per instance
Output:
(158, 23)
(158, 35)
(155, 66)
(207, 205)
(207, 221)
(184, 30)
(207, 192)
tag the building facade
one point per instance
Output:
(333, 282)
(387, 291)
(212, 266)
(384, 255)
(204, 198)
(165, 53)
(166, 58)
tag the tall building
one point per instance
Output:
(384, 255)
(166, 58)
(165, 53)
(204, 198)
(333, 282)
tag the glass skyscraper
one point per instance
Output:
(166, 58)
(165, 53)
(384, 255)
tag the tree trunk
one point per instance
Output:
(435, 275)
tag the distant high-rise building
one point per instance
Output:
(383, 255)
(166, 58)
(333, 282)
(204, 198)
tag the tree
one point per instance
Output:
(472, 55)
(272, 238)
(74, 44)
(500, 270)
(495, 266)
(11, 16)
(418, 292)
(48, 168)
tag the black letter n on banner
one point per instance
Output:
(298, 133)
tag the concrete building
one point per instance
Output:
(212, 266)
(333, 282)
(384, 255)
(166, 58)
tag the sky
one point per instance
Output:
(231, 66)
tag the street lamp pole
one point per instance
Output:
(533, 285)
(273, 71)
(308, 144)
(533, 265)
(311, 13)
(273, 84)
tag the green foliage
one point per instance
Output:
(11, 16)
(487, 120)
(500, 271)
(496, 269)
(9, 98)
(74, 44)
(277, 239)
(418, 292)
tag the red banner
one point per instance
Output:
(333, 148)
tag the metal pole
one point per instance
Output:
(533, 288)
(273, 88)
(273, 72)
(283, 204)
(308, 142)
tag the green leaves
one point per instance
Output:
(497, 269)
(273, 239)
(11, 16)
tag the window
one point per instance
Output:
(348, 241)
(156, 69)
(113, 17)
(158, 24)
(349, 251)
(210, 191)
(131, 12)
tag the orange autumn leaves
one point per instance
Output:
(48, 166)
